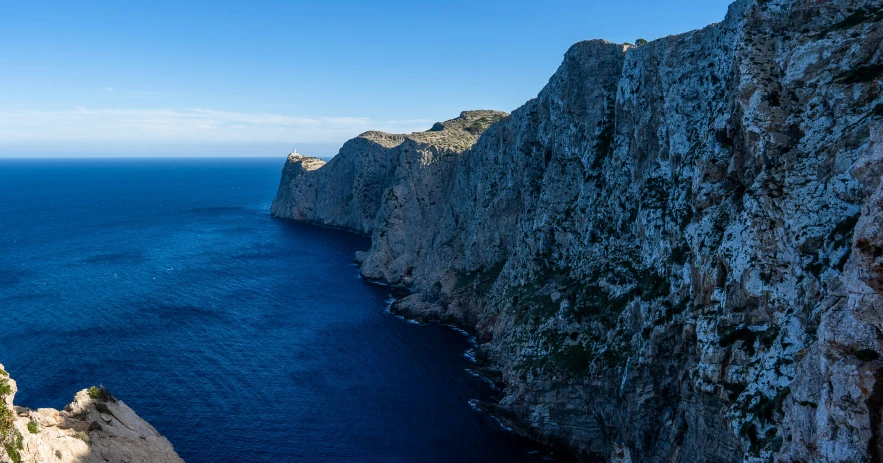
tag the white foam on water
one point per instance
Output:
(388, 310)
(459, 330)
(473, 404)
(500, 422)
(469, 337)
(374, 282)
(487, 380)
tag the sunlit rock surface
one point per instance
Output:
(673, 253)
(88, 430)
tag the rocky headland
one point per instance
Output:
(673, 253)
(94, 428)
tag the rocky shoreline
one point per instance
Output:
(483, 370)
(673, 253)
(95, 427)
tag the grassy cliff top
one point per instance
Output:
(458, 134)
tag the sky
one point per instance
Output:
(254, 78)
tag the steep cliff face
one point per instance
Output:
(94, 428)
(349, 192)
(673, 253)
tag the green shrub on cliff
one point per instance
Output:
(6, 416)
(572, 359)
(100, 393)
(6, 419)
(14, 446)
(5, 388)
(10, 438)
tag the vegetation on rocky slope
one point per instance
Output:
(10, 438)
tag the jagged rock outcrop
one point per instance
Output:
(673, 253)
(95, 427)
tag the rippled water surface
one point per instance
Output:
(239, 337)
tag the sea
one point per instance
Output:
(239, 337)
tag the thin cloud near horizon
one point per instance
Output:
(185, 126)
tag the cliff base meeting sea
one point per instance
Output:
(237, 336)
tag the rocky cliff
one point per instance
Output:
(94, 428)
(349, 192)
(673, 253)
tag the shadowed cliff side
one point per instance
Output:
(94, 428)
(673, 253)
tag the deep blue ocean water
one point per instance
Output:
(238, 336)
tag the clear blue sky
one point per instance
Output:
(159, 78)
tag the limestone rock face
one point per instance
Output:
(673, 253)
(86, 431)
(348, 193)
